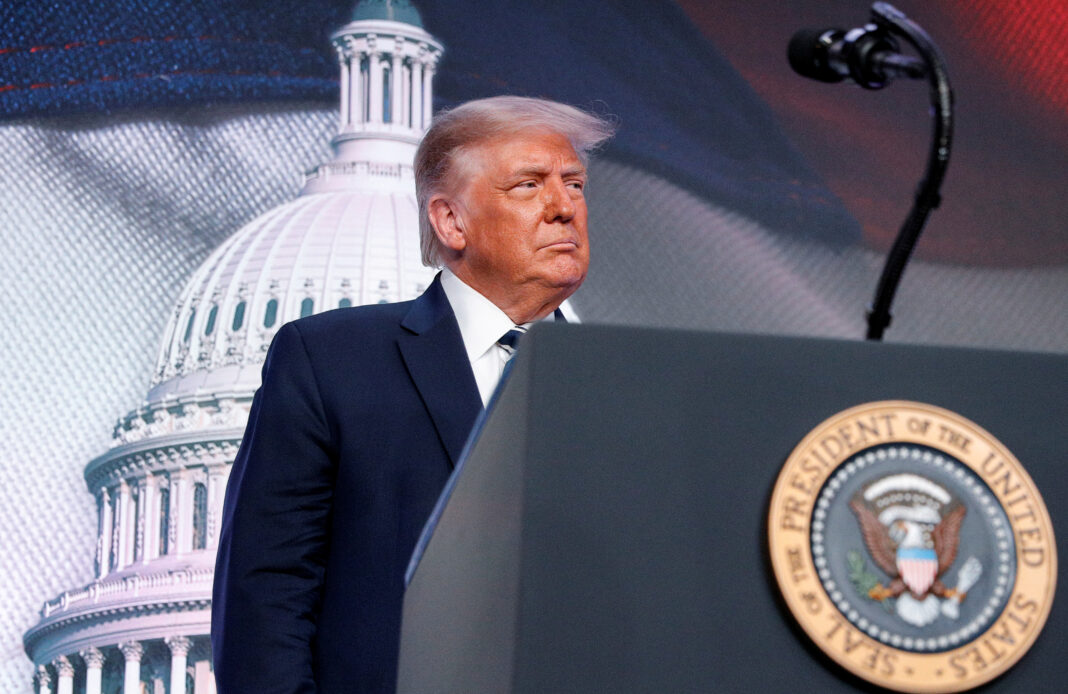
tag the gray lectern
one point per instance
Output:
(607, 532)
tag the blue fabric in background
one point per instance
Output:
(684, 112)
(66, 56)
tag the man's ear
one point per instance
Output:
(448, 225)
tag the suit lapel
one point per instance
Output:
(434, 354)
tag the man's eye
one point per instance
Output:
(577, 185)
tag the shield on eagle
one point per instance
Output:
(918, 567)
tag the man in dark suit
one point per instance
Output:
(363, 411)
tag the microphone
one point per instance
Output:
(868, 55)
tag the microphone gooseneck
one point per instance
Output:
(870, 57)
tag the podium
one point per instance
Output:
(608, 529)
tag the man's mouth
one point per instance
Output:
(561, 245)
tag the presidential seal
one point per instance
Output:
(912, 547)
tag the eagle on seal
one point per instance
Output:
(911, 527)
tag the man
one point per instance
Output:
(363, 412)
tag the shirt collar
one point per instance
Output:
(481, 322)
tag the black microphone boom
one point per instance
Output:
(868, 55)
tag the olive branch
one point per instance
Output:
(863, 579)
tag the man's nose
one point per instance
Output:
(558, 202)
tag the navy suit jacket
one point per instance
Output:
(362, 415)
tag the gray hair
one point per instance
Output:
(477, 121)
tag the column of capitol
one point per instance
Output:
(351, 237)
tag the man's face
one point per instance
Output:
(523, 214)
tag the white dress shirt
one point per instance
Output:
(481, 325)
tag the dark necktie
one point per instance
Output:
(510, 339)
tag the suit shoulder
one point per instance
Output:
(351, 323)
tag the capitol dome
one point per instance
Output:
(350, 238)
(319, 252)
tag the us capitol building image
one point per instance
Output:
(350, 238)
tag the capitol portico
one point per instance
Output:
(350, 238)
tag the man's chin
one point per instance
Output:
(566, 285)
(567, 271)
